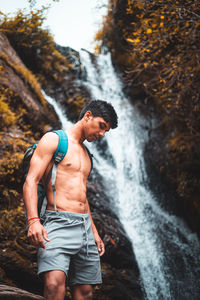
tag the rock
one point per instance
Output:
(14, 293)
(71, 93)
(15, 76)
(73, 57)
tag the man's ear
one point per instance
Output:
(88, 115)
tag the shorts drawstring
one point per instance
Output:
(86, 234)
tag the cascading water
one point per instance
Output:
(167, 253)
(65, 123)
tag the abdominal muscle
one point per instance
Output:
(70, 192)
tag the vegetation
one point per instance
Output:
(26, 76)
(14, 142)
(11, 220)
(38, 51)
(35, 45)
(156, 46)
(76, 104)
(7, 116)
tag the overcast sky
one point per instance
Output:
(72, 22)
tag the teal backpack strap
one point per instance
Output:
(58, 157)
(62, 146)
(60, 151)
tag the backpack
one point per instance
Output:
(58, 157)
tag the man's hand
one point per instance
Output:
(100, 244)
(36, 233)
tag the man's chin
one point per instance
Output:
(91, 139)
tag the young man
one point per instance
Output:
(68, 241)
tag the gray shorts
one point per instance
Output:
(71, 249)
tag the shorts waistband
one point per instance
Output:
(67, 214)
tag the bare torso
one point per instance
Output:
(71, 179)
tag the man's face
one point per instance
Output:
(96, 128)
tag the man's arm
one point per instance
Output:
(38, 164)
(98, 240)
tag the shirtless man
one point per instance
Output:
(68, 241)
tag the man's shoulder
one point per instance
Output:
(49, 142)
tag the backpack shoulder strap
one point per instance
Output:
(91, 158)
(59, 154)
(58, 157)
(62, 145)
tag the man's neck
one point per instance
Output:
(76, 131)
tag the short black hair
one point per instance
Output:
(103, 109)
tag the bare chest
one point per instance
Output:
(76, 160)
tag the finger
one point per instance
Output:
(36, 239)
(98, 243)
(101, 252)
(101, 249)
(32, 241)
(40, 241)
(45, 236)
(99, 246)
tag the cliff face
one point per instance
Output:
(25, 116)
(16, 77)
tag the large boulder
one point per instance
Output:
(14, 293)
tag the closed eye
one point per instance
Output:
(102, 126)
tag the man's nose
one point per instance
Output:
(102, 133)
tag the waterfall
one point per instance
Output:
(167, 252)
(65, 123)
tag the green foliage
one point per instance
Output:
(156, 44)
(35, 45)
(11, 173)
(161, 41)
(12, 224)
(76, 104)
(34, 2)
(13, 114)
(7, 116)
(13, 144)
(27, 76)
(184, 152)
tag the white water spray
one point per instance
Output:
(65, 123)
